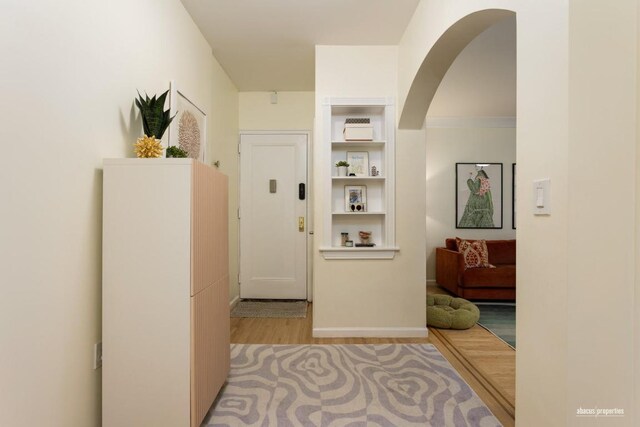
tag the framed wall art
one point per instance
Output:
(188, 129)
(358, 162)
(355, 198)
(478, 195)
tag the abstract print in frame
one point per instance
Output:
(188, 129)
(478, 195)
(358, 162)
(355, 198)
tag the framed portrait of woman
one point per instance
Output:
(479, 195)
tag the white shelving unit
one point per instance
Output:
(379, 217)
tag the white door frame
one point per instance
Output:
(309, 193)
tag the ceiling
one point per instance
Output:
(266, 45)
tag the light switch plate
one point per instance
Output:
(542, 197)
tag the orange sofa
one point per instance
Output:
(478, 283)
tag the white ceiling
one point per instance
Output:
(266, 45)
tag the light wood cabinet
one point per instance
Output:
(165, 291)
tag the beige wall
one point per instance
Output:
(294, 111)
(224, 119)
(575, 59)
(637, 287)
(446, 147)
(365, 293)
(481, 81)
(600, 77)
(69, 77)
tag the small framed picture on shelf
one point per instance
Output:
(355, 198)
(358, 162)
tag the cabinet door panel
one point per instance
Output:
(203, 227)
(221, 332)
(210, 332)
(203, 350)
(221, 227)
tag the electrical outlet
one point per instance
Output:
(97, 355)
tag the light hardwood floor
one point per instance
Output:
(485, 362)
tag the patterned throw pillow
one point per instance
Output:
(475, 253)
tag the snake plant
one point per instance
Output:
(155, 120)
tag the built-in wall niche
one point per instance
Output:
(376, 213)
(373, 189)
(353, 224)
(375, 113)
(374, 150)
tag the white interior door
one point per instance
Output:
(273, 217)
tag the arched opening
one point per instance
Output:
(469, 136)
(575, 81)
(438, 61)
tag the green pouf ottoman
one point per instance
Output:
(444, 311)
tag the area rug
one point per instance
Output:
(500, 320)
(345, 385)
(262, 308)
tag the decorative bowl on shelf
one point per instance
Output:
(364, 236)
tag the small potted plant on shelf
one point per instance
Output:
(342, 167)
(155, 121)
(175, 151)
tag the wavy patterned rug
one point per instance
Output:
(345, 385)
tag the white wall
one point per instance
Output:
(365, 293)
(445, 148)
(576, 65)
(294, 111)
(69, 76)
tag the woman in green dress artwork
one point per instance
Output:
(478, 213)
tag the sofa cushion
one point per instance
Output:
(502, 276)
(502, 251)
(474, 253)
(451, 244)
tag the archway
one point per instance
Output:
(439, 59)
(576, 73)
(438, 66)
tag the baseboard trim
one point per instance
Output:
(370, 332)
(431, 282)
(233, 302)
